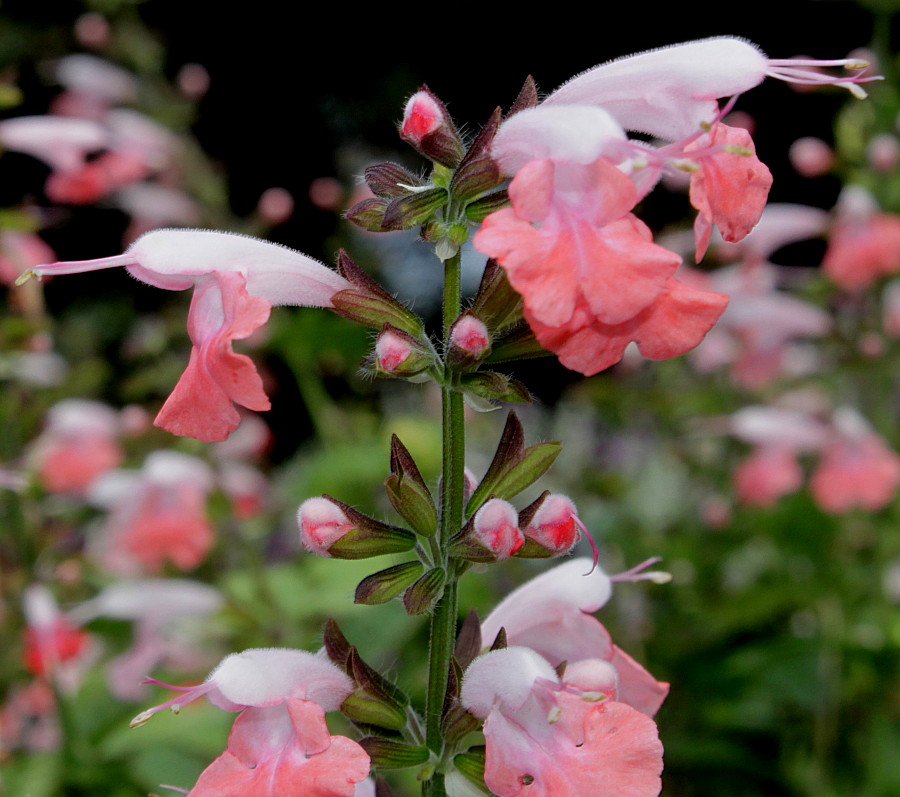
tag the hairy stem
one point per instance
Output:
(443, 620)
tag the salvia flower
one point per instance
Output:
(669, 92)
(236, 279)
(322, 523)
(279, 745)
(548, 738)
(551, 615)
(590, 276)
(331, 528)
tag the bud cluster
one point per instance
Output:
(493, 530)
(463, 188)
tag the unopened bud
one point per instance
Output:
(496, 527)
(334, 529)
(491, 535)
(427, 127)
(470, 342)
(400, 354)
(553, 525)
(322, 523)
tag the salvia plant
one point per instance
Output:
(535, 699)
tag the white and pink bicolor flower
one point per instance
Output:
(670, 92)
(547, 737)
(237, 279)
(279, 744)
(551, 614)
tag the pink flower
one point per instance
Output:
(590, 275)
(62, 143)
(671, 325)
(237, 279)
(28, 718)
(92, 86)
(551, 615)
(857, 469)
(569, 235)
(470, 336)
(770, 472)
(279, 745)
(167, 614)
(550, 739)
(79, 443)
(759, 330)
(156, 515)
(864, 244)
(890, 299)
(53, 643)
(730, 187)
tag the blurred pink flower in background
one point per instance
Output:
(55, 648)
(864, 244)
(92, 86)
(759, 331)
(28, 718)
(78, 444)
(769, 472)
(811, 157)
(155, 515)
(20, 251)
(857, 469)
(778, 434)
(168, 615)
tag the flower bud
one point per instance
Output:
(427, 127)
(425, 592)
(470, 342)
(491, 535)
(369, 304)
(322, 523)
(387, 584)
(399, 354)
(331, 528)
(390, 754)
(549, 525)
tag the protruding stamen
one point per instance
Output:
(802, 71)
(635, 574)
(189, 694)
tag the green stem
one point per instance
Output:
(443, 619)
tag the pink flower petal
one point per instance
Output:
(202, 403)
